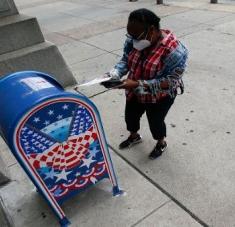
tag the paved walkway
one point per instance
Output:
(193, 183)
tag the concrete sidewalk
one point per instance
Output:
(192, 183)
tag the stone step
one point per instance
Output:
(3, 173)
(43, 57)
(19, 31)
(7, 8)
(3, 178)
(4, 218)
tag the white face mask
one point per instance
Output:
(141, 44)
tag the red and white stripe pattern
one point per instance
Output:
(67, 154)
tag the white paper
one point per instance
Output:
(95, 81)
(36, 83)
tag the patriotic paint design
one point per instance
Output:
(62, 146)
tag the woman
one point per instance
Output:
(155, 61)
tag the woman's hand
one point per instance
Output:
(129, 84)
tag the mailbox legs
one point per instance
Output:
(117, 191)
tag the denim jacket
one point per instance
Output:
(172, 71)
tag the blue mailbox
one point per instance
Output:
(56, 136)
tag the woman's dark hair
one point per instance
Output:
(145, 17)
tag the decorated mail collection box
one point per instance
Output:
(56, 136)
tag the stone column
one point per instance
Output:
(23, 47)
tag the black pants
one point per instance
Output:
(156, 113)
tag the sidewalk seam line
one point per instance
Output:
(11, 165)
(87, 59)
(107, 51)
(206, 23)
(99, 93)
(194, 216)
(149, 214)
(79, 39)
(71, 65)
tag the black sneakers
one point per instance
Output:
(130, 141)
(158, 150)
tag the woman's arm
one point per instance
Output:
(121, 68)
(168, 85)
(171, 77)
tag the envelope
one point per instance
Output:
(95, 81)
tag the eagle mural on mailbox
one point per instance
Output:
(63, 146)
